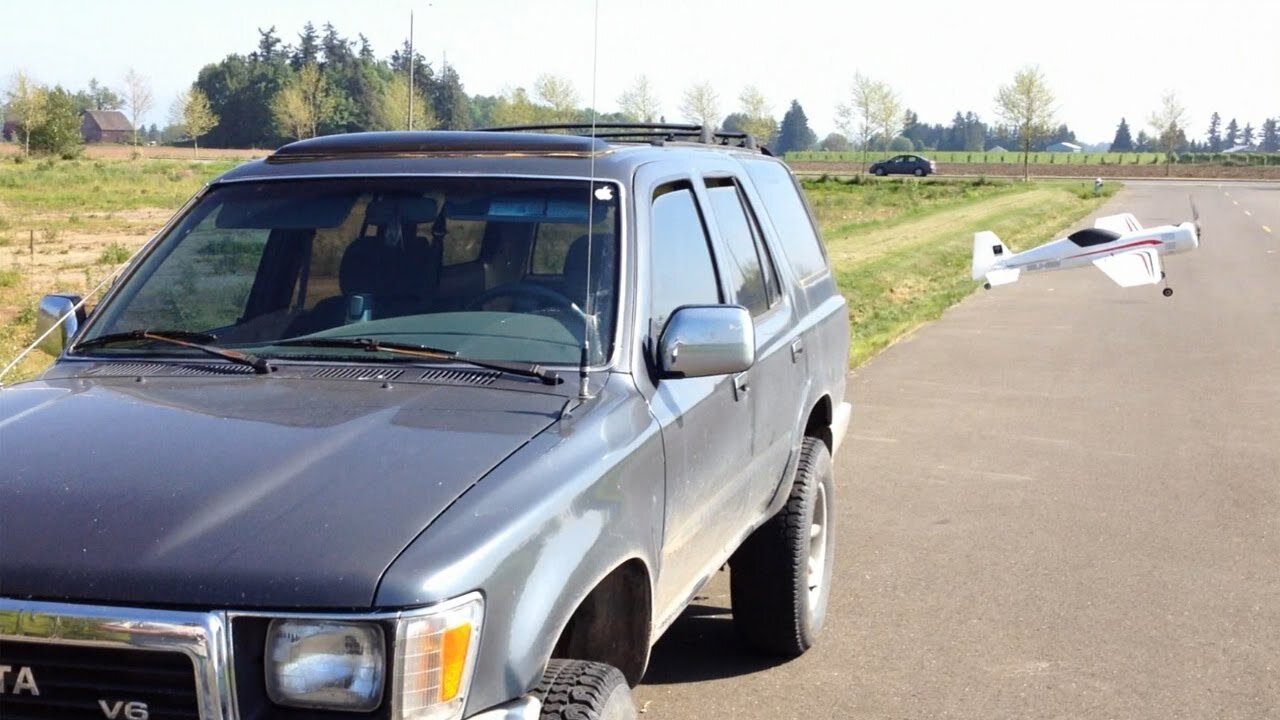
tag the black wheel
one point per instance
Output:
(881, 172)
(780, 576)
(1167, 292)
(919, 172)
(581, 690)
(986, 286)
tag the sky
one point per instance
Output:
(1103, 60)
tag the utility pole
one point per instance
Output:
(411, 69)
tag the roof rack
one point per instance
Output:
(652, 133)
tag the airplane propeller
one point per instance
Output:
(1195, 216)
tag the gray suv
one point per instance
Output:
(419, 426)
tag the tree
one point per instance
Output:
(515, 108)
(102, 97)
(701, 105)
(137, 98)
(758, 119)
(1232, 137)
(901, 144)
(1123, 141)
(393, 106)
(1167, 121)
(890, 118)
(1270, 136)
(1142, 143)
(191, 113)
(303, 104)
(58, 132)
(794, 133)
(1247, 135)
(857, 118)
(450, 101)
(639, 103)
(1214, 135)
(559, 94)
(27, 101)
(1027, 105)
(834, 142)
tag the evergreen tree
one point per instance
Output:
(308, 50)
(1123, 141)
(268, 45)
(1215, 135)
(795, 133)
(1232, 137)
(1142, 143)
(1270, 136)
(1246, 135)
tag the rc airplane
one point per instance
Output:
(1117, 245)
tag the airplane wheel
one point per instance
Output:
(986, 286)
(1167, 292)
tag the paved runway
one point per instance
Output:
(1062, 500)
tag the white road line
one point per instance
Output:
(1264, 227)
(1234, 202)
(1246, 212)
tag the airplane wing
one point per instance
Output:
(1129, 269)
(1123, 223)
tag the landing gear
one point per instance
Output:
(986, 286)
(1167, 292)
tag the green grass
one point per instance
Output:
(73, 187)
(904, 267)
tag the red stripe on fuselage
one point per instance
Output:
(1140, 243)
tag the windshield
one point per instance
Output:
(491, 268)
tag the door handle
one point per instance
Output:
(740, 386)
(797, 349)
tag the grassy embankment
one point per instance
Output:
(901, 247)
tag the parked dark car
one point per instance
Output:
(427, 426)
(904, 165)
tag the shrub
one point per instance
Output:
(9, 278)
(114, 254)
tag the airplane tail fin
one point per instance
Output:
(988, 257)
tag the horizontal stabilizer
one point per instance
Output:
(1003, 277)
(1133, 268)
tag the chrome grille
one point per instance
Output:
(95, 683)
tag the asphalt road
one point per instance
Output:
(1061, 500)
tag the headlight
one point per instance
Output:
(435, 656)
(325, 665)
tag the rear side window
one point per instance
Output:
(785, 206)
(681, 266)
(748, 274)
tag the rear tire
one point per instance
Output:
(919, 172)
(780, 577)
(581, 690)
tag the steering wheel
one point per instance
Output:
(540, 292)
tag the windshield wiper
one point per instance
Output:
(525, 369)
(184, 338)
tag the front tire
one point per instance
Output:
(581, 690)
(881, 172)
(919, 172)
(779, 578)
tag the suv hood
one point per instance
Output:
(236, 492)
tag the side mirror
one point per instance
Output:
(701, 340)
(52, 309)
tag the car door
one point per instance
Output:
(775, 384)
(705, 421)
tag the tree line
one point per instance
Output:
(326, 83)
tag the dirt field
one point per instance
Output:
(1066, 171)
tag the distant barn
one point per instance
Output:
(1064, 147)
(105, 126)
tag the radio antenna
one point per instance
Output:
(588, 313)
